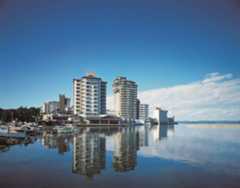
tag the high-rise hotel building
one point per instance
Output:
(125, 98)
(89, 94)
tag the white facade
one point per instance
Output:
(125, 98)
(161, 116)
(143, 111)
(89, 94)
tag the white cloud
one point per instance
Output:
(216, 97)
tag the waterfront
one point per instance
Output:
(185, 155)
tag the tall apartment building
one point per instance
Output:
(143, 111)
(89, 94)
(125, 98)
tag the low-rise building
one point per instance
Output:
(143, 112)
(103, 120)
(161, 116)
(171, 120)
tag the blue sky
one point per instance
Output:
(45, 44)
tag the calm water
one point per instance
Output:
(186, 155)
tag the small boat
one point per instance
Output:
(28, 130)
(6, 133)
(148, 122)
(17, 135)
(64, 129)
(4, 148)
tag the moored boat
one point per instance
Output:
(7, 133)
(64, 129)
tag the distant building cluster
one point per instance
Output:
(89, 102)
(63, 105)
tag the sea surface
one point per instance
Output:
(184, 155)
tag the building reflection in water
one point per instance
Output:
(89, 153)
(163, 131)
(143, 133)
(125, 149)
(152, 135)
(59, 142)
(89, 147)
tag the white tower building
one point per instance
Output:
(89, 94)
(125, 98)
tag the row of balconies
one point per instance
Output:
(87, 91)
(89, 101)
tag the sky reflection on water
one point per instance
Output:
(143, 156)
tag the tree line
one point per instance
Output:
(23, 114)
